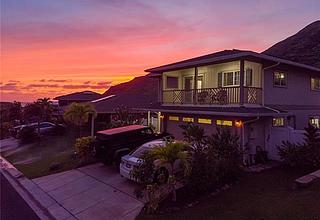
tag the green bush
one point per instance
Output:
(83, 148)
(216, 159)
(302, 155)
(290, 154)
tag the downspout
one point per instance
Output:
(263, 69)
(243, 135)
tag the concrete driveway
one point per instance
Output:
(92, 192)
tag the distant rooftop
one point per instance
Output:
(80, 96)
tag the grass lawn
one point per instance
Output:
(261, 196)
(34, 160)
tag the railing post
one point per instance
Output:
(195, 85)
(241, 81)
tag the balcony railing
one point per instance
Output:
(212, 96)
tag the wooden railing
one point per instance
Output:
(252, 95)
(213, 96)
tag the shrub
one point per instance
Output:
(224, 150)
(215, 159)
(27, 134)
(305, 155)
(83, 148)
(144, 173)
(290, 154)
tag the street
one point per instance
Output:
(13, 207)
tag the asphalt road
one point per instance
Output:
(12, 206)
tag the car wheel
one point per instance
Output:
(161, 176)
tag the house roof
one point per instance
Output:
(143, 100)
(140, 92)
(216, 110)
(79, 96)
(226, 55)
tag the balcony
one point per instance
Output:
(213, 96)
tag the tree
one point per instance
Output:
(194, 135)
(123, 116)
(169, 154)
(45, 106)
(40, 110)
(15, 111)
(78, 114)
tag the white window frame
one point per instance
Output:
(285, 79)
(233, 78)
(278, 126)
(314, 79)
(315, 117)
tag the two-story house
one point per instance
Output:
(260, 97)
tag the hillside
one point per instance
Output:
(302, 47)
(138, 85)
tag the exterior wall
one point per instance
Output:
(173, 128)
(297, 92)
(297, 97)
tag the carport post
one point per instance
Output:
(149, 119)
(92, 125)
(159, 122)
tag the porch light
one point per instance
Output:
(238, 124)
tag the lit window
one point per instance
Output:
(231, 78)
(173, 118)
(315, 121)
(280, 79)
(315, 83)
(224, 123)
(172, 82)
(186, 119)
(204, 121)
(278, 122)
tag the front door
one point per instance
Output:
(188, 86)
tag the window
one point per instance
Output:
(172, 82)
(315, 121)
(248, 77)
(204, 121)
(224, 123)
(186, 119)
(231, 78)
(315, 83)
(173, 118)
(200, 82)
(280, 79)
(278, 122)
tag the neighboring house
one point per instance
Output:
(84, 96)
(141, 92)
(262, 98)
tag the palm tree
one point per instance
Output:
(45, 106)
(78, 114)
(169, 154)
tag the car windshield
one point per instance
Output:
(138, 153)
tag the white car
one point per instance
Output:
(128, 162)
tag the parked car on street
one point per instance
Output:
(110, 145)
(133, 160)
(44, 128)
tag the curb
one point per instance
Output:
(45, 207)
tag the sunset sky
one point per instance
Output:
(53, 47)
